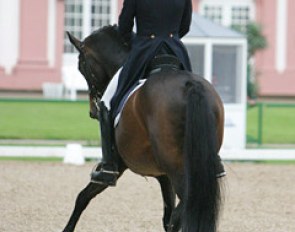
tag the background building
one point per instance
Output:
(275, 64)
(35, 50)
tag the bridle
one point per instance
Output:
(93, 92)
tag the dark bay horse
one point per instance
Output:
(170, 129)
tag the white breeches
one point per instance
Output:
(111, 89)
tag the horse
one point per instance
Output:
(170, 129)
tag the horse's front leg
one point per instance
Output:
(83, 199)
(169, 197)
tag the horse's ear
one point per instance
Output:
(77, 43)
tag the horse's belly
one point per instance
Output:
(142, 163)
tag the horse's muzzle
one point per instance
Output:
(94, 109)
(94, 115)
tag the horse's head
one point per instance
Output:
(101, 55)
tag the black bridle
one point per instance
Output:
(93, 91)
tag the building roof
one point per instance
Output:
(202, 27)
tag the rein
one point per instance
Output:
(95, 94)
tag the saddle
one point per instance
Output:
(163, 62)
(165, 59)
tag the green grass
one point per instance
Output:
(252, 124)
(53, 120)
(279, 162)
(46, 120)
(278, 124)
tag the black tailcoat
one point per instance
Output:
(157, 22)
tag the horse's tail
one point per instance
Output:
(202, 191)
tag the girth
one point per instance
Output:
(163, 62)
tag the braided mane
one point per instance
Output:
(110, 31)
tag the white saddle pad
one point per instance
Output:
(140, 84)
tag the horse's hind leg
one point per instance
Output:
(175, 222)
(169, 196)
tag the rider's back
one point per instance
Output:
(159, 17)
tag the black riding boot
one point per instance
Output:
(220, 171)
(109, 167)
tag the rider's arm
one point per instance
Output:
(126, 19)
(186, 19)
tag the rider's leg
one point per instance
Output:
(109, 167)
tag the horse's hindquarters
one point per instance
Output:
(150, 133)
(133, 140)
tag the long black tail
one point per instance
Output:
(202, 191)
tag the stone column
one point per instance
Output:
(33, 33)
(9, 39)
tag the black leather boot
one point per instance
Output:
(220, 171)
(108, 173)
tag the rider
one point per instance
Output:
(160, 24)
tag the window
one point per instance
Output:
(100, 13)
(197, 57)
(214, 13)
(73, 22)
(84, 16)
(225, 75)
(240, 15)
(228, 12)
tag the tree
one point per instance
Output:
(256, 41)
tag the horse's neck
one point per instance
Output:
(116, 63)
(114, 57)
(113, 74)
